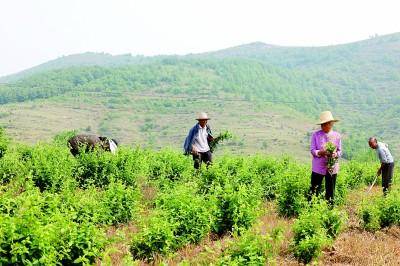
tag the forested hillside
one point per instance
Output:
(268, 95)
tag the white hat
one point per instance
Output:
(326, 117)
(202, 116)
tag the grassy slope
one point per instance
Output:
(285, 89)
(156, 122)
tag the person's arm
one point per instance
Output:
(338, 152)
(381, 156)
(379, 170)
(313, 147)
(210, 135)
(187, 146)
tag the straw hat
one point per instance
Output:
(326, 117)
(202, 116)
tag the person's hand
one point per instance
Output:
(194, 151)
(322, 153)
(379, 172)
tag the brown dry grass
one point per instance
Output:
(356, 246)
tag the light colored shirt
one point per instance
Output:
(384, 154)
(113, 146)
(318, 142)
(200, 142)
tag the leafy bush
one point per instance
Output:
(381, 212)
(237, 208)
(370, 214)
(358, 173)
(315, 229)
(50, 166)
(96, 168)
(293, 191)
(4, 141)
(169, 165)
(34, 231)
(62, 138)
(121, 203)
(251, 248)
(236, 191)
(182, 217)
(115, 204)
(156, 237)
(191, 212)
(13, 165)
(269, 171)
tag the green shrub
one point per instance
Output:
(170, 165)
(33, 231)
(293, 191)
(156, 237)
(269, 170)
(390, 209)
(192, 213)
(13, 165)
(61, 139)
(4, 142)
(251, 248)
(181, 217)
(381, 212)
(310, 247)
(371, 216)
(116, 204)
(51, 166)
(96, 168)
(121, 202)
(237, 207)
(236, 191)
(315, 229)
(358, 173)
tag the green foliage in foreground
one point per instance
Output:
(182, 217)
(315, 229)
(381, 212)
(251, 248)
(55, 208)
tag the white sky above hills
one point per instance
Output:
(35, 31)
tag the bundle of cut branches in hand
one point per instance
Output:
(219, 139)
(331, 148)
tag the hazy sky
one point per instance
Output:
(35, 31)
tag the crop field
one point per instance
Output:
(147, 207)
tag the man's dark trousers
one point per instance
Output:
(387, 176)
(200, 157)
(330, 184)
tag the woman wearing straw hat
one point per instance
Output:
(324, 162)
(197, 141)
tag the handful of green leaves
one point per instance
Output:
(220, 138)
(331, 148)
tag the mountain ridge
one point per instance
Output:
(253, 50)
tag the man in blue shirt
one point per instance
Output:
(387, 162)
(197, 141)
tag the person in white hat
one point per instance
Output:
(197, 141)
(320, 167)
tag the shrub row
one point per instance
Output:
(315, 228)
(381, 212)
(48, 228)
